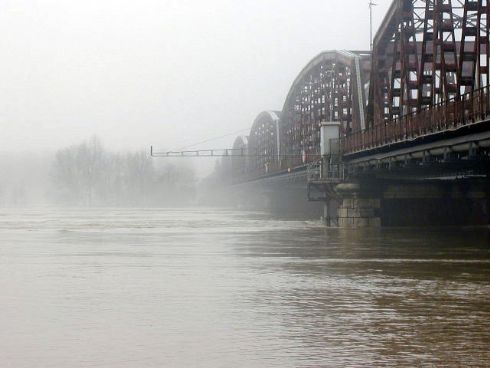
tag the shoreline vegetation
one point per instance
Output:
(89, 175)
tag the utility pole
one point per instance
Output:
(371, 5)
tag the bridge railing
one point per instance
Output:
(466, 109)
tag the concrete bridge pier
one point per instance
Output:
(360, 206)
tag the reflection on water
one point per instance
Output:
(206, 288)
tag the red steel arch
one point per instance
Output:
(263, 145)
(331, 88)
(428, 52)
(431, 63)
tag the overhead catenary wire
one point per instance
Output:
(212, 139)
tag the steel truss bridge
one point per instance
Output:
(416, 106)
(422, 95)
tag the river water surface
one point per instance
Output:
(216, 288)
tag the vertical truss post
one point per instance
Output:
(445, 59)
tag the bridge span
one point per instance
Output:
(399, 135)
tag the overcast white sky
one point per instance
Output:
(161, 72)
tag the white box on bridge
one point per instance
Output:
(328, 131)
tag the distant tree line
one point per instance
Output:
(89, 175)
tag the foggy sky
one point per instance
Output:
(161, 72)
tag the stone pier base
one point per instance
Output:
(359, 213)
(358, 208)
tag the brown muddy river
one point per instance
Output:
(216, 288)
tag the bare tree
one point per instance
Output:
(87, 174)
